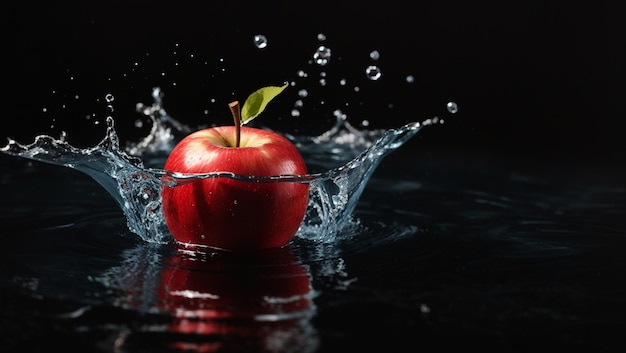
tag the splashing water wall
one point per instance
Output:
(333, 193)
(344, 158)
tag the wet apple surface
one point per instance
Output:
(234, 214)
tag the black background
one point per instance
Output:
(533, 80)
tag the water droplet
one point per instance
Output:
(410, 79)
(260, 41)
(138, 123)
(301, 73)
(342, 82)
(110, 108)
(452, 107)
(322, 55)
(374, 55)
(295, 112)
(298, 103)
(321, 37)
(322, 82)
(365, 123)
(373, 72)
(303, 93)
(109, 98)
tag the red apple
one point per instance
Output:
(235, 214)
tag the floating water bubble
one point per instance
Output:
(298, 103)
(109, 97)
(322, 82)
(374, 55)
(373, 72)
(322, 55)
(295, 113)
(301, 73)
(260, 41)
(452, 107)
(342, 82)
(410, 79)
(321, 37)
(303, 93)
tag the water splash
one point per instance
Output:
(452, 107)
(260, 41)
(322, 55)
(373, 72)
(344, 159)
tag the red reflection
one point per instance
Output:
(220, 300)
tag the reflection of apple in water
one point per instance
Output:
(234, 214)
(235, 299)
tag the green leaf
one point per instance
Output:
(257, 101)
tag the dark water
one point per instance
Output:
(452, 252)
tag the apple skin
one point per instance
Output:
(234, 214)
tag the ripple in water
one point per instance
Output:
(134, 180)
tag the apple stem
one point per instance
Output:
(235, 109)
